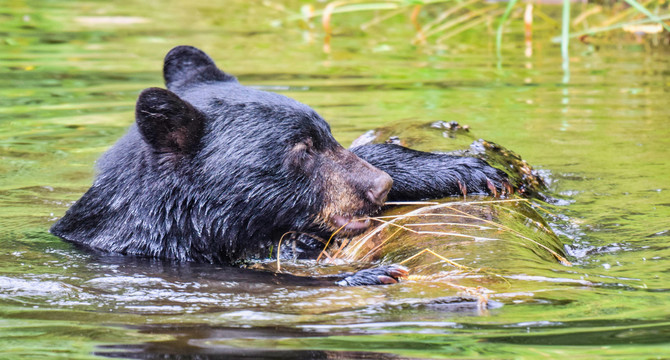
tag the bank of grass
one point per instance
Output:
(436, 21)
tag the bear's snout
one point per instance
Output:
(381, 185)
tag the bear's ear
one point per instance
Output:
(168, 123)
(186, 64)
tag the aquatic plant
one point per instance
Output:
(421, 235)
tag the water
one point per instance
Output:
(69, 76)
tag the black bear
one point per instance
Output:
(214, 171)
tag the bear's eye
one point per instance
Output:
(309, 145)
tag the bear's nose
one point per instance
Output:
(380, 189)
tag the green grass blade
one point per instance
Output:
(646, 12)
(565, 39)
(503, 19)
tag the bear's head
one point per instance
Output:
(217, 171)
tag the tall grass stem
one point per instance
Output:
(565, 41)
(503, 19)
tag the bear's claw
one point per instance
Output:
(388, 274)
(480, 177)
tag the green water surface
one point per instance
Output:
(70, 72)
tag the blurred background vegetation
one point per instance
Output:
(437, 21)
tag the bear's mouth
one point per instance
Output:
(349, 224)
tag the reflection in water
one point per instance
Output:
(150, 353)
(204, 342)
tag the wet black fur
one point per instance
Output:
(209, 173)
(419, 175)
